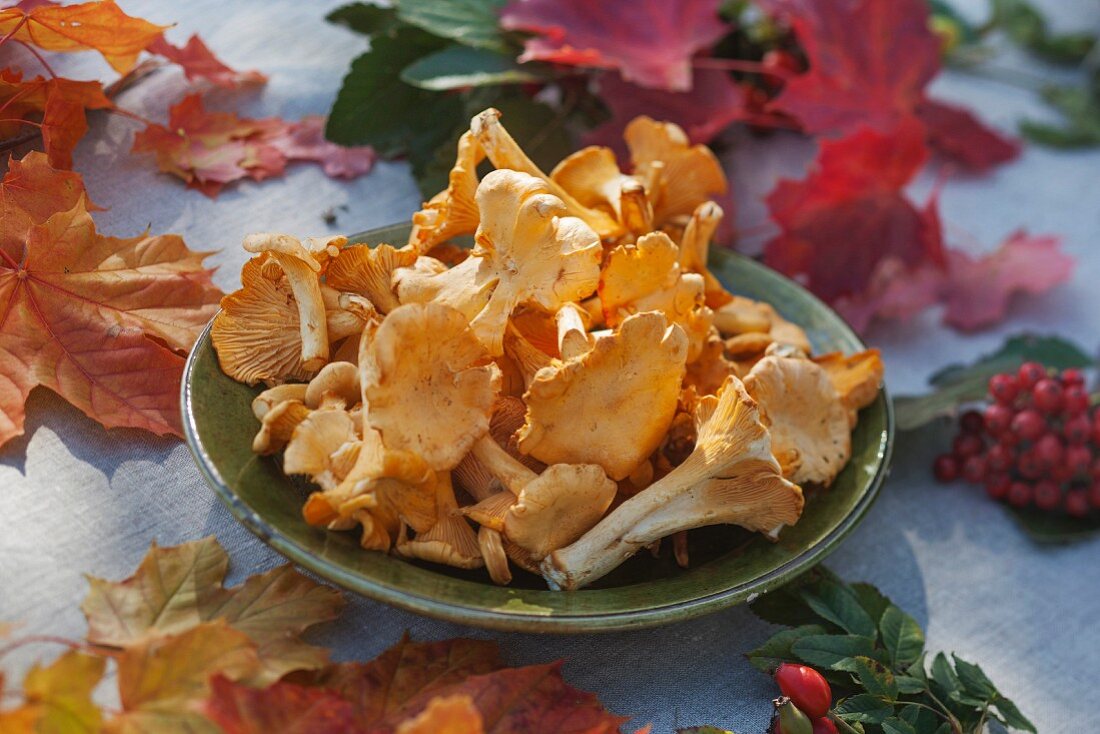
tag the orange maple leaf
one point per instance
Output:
(100, 320)
(95, 26)
(199, 62)
(54, 106)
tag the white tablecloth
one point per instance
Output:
(76, 499)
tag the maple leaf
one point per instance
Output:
(850, 213)
(651, 44)
(714, 102)
(211, 149)
(99, 320)
(199, 62)
(282, 707)
(177, 588)
(58, 697)
(978, 289)
(162, 680)
(854, 76)
(100, 26)
(54, 106)
(446, 715)
(383, 689)
(894, 292)
(958, 134)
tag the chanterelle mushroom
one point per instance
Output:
(804, 414)
(453, 211)
(612, 404)
(731, 477)
(592, 176)
(369, 271)
(505, 154)
(695, 247)
(532, 252)
(428, 384)
(856, 377)
(324, 446)
(450, 540)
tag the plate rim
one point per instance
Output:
(518, 620)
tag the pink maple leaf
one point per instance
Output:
(305, 141)
(869, 62)
(956, 133)
(650, 42)
(979, 289)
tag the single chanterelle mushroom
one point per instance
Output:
(857, 378)
(610, 405)
(369, 271)
(335, 386)
(678, 176)
(592, 176)
(277, 426)
(804, 414)
(531, 251)
(272, 396)
(695, 247)
(504, 153)
(541, 512)
(325, 446)
(731, 477)
(453, 211)
(450, 540)
(646, 276)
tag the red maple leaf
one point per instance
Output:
(958, 134)
(650, 43)
(850, 213)
(282, 707)
(714, 102)
(979, 289)
(55, 107)
(869, 61)
(199, 62)
(894, 292)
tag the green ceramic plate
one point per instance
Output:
(728, 565)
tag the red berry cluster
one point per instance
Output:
(1036, 444)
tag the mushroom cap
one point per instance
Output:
(453, 211)
(428, 384)
(277, 426)
(593, 177)
(742, 315)
(324, 446)
(857, 378)
(688, 176)
(450, 540)
(465, 287)
(612, 405)
(558, 507)
(256, 334)
(336, 382)
(710, 369)
(804, 414)
(272, 396)
(506, 154)
(369, 272)
(533, 253)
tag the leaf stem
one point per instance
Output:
(41, 60)
(22, 22)
(37, 639)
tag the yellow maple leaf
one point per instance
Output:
(57, 698)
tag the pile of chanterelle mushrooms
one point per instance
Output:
(574, 388)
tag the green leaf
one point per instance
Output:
(944, 674)
(960, 384)
(785, 605)
(1081, 110)
(370, 20)
(907, 684)
(894, 725)
(864, 708)
(902, 636)
(873, 601)
(973, 678)
(872, 675)
(469, 22)
(1045, 527)
(462, 66)
(839, 605)
(1028, 28)
(827, 650)
(778, 648)
(1012, 715)
(922, 720)
(374, 107)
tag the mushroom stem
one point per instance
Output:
(572, 334)
(635, 211)
(498, 462)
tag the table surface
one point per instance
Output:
(76, 498)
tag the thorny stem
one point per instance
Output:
(41, 60)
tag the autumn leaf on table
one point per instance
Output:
(281, 707)
(93, 26)
(850, 213)
(651, 43)
(854, 77)
(54, 108)
(199, 62)
(177, 588)
(102, 321)
(58, 697)
(959, 135)
(210, 149)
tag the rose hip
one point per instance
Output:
(1049, 450)
(1071, 377)
(966, 445)
(972, 422)
(1000, 458)
(806, 688)
(1094, 495)
(1047, 395)
(974, 469)
(1077, 460)
(997, 486)
(1077, 430)
(824, 725)
(1028, 464)
(1075, 400)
